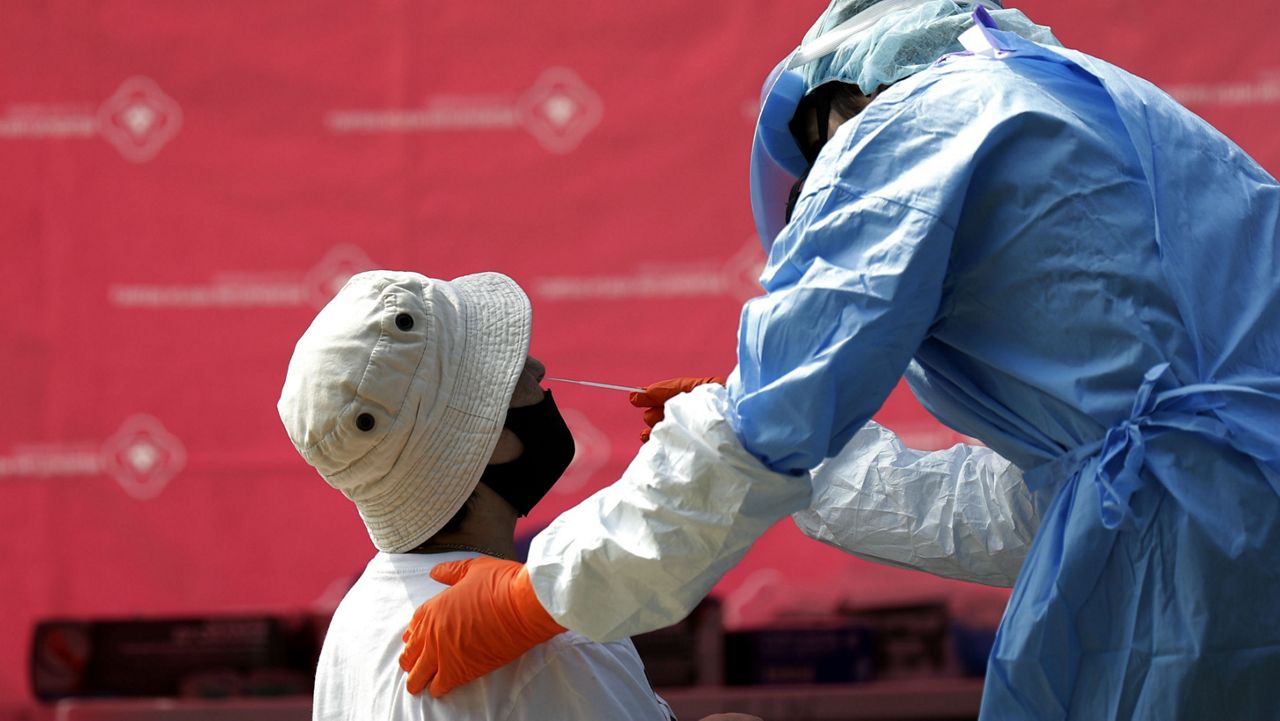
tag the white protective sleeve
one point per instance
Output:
(639, 554)
(963, 512)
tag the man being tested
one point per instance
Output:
(415, 397)
(1066, 265)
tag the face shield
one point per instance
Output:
(777, 162)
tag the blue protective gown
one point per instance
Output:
(1079, 272)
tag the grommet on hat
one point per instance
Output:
(382, 400)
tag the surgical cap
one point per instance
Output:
(902, 43)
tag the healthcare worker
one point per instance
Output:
(1066, 265)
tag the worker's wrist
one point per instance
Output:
(532, 613)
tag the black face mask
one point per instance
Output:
(548, 451)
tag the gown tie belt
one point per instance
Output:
(1162, 406)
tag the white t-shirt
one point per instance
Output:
(568, 677)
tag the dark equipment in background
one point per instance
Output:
(216, 657)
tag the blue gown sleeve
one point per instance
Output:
(853, 284)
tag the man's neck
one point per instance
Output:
(489, 528)
(478, 543)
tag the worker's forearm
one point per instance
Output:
(962, 512)
(640, 554)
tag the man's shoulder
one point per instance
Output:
(582, 678)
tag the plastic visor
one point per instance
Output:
(776, 162)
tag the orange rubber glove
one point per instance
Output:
(488, 619)
(654, 398)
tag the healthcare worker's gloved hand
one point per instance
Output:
(491, 608)
(654, 398)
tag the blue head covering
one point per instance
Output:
(906, 38)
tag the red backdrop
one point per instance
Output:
(184, 184)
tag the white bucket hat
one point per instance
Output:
(398, 390)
